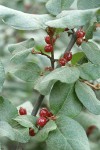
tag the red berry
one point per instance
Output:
(62, 61)
(80, 34)
(79, 41)
(41, 121)
(90, 130)
(83, 33)
(47, 40)
(48, 48)
(22, 111)
(68, 56)
(31, 132)
(50, 114)
(44, 112)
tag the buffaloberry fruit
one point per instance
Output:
(79, 41)
(80, 34)
(41, 122)
(90, 130)
(22, 111)
(31, 132)
(68, 56)
(62, 61)
(44, 112)
(50, 114)
(83, 33)
(47, 40)
(48, 48)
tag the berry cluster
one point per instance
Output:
(50, 41)
(45, 116)
(80, 35)
(66, 58)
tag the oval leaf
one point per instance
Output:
(23, 21)
(69, 136)
(27, 121)
(89, 71)
(21, 50)
(87, 4)
(63, 74)
(87, 97)
(92, 51)
(63, 100)
(7, 110)
(72, 18)
(28, 72)
(6, 130)
(56, 6)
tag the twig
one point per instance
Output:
(41, 53)
(37, 105)
(96, 87)
(71, 43)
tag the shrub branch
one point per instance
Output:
(41, 97)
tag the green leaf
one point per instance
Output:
(92, 51)
(64, 74)
(7, 110)
(56, 6)
(78, 18)
(21, 50)
(87, 4)
(98, 15)
(43, 133)
(2, 75)
(87, 97)
(23, 21)
(27, 121)
(89, 31)
(69, 136)
(86, 120)
(89, 71)
(14, 132)
(28, 72)
(21, 133)
(6, 130)
(77, 57)
(20, 56)
(14, 48)
(63, 100)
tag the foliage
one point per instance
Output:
(70, 91)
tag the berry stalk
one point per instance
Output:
(37, 105)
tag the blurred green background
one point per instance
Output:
(19, 92)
